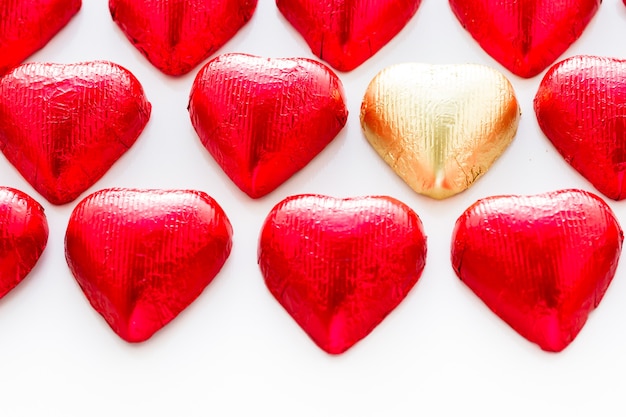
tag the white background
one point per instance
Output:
(235, 351)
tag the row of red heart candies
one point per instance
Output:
(176, 38)
(337, 266)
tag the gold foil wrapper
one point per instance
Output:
(439, 127)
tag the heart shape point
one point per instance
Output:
(176, 35)
(63, 125)
(581, 108)
(28, 25)
(340, 266)
(439, 127)
(23, 237)
(541, 263)
(142, 256)
(264, 119)
(347, 33)
(525, 36)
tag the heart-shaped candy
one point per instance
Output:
(339, 266)
(347, 33)
(63, 125)
(28, 25)
(525, 35)
(23, 236)
(176, 35)
(581, 108)
(542, 263)
(264, 119)
(142, 256)
(439, 127)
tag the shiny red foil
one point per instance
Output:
(346, 33)
(176, 35)
(525, 36)
(23, 236)
(63, 125)
(264, 119)
(26, 26)
(542, 263)
(339, 266)
(581, 108)
(142, 256)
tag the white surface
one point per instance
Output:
(235, 351)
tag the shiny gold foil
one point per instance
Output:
(439, 127)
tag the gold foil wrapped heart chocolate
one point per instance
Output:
(439, 127)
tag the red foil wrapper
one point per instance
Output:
(347, 33)
(23, 236)
(142, 256)
(63, 125)
(26, 26)
(339, 266)
(581, 108)
(525, 36)
(264, 119)
(542, 263)
(177, 35)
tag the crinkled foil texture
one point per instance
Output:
(142, 256)
(439, 127)
(264, 119)
(581, 108)
(23, 236)
(339, 266)
(525, 36)
(542, 263)
(175, 36)
(28, 25)
(347, 33)
(63, 125)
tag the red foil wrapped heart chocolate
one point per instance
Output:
(63, 125)
(23, 236)
(581, 108)
(28, 25)
(340, 266)
(525, 36)
(542, 263)
(264, 119)
(142, 256)
(177, 35)
(347, 33)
